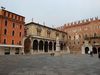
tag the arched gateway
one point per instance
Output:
(46, 46)
(35, 45)
(86, 50)
(50, 46)
(27, 45)
(41, 45)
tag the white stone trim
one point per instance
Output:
(3, 45)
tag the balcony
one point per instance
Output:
(92, 37)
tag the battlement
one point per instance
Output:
(80, 22)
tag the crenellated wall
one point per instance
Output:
(76, 23)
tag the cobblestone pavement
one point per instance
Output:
(49, 65)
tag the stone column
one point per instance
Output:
(12, 51)
(31, 50)
(83, 49)
(48, 47)
(68, 50)
(22, 49)
(38, 45)
(52, 46)
(57, 45)
(43, 46)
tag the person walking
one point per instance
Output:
(99, 55)
(91, 53)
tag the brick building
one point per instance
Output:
(11, 32)
(83, 36)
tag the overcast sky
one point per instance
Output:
(53, 12)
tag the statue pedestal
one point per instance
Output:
(57, 53)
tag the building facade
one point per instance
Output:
(83, 36)
(42, 39)
(11, 32)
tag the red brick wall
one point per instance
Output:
(10, 28)
(81, 29)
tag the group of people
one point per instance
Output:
(91, 53)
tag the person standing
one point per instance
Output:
(99, 55)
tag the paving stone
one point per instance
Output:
(49, 65)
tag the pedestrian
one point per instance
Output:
(99, 55)
(91, 53)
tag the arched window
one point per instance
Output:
(50, 45)
(5, 31)
(35, 45)
(41, 45)
(13, 33)
(27, 45)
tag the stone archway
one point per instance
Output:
(54, 46)
(94, 50)
(86, 50)
(98, 49)
(35, 45)
(41, 45)
(46, 46)
(27, 45)
(50, 46)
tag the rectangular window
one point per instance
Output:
(12, 16)
(17, 51)
(5, 13)
(19, 18)
(12, 42)
(13, 33)
(5, 31)
(7, 51)
(6, 22)
(13, 25)
(19, 42)
(20, 34)
(4, 41)
(15, 17)
(48, 35)
(38, 33)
